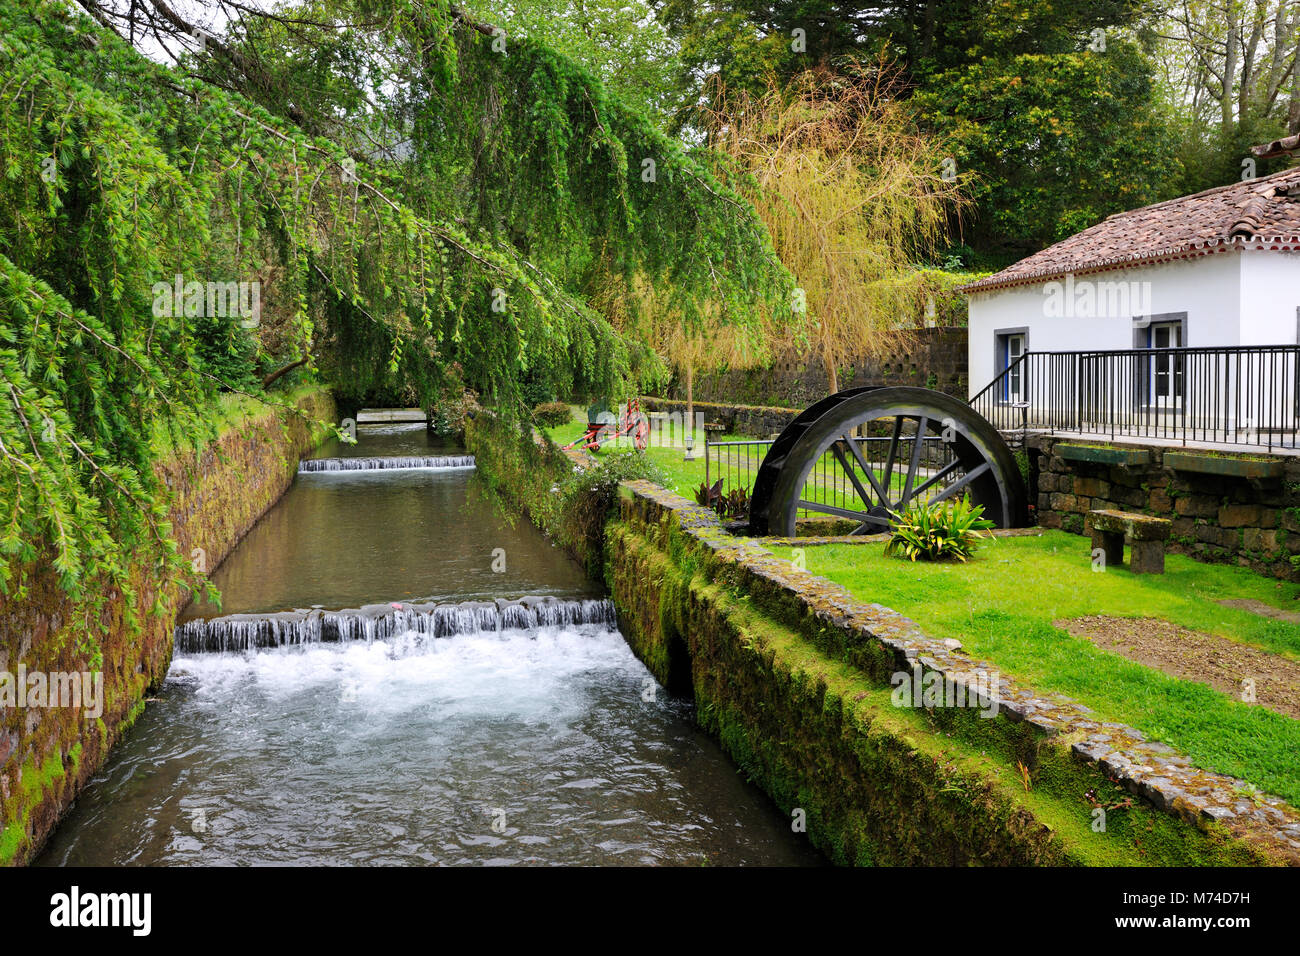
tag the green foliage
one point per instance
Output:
(734, 504)
(624, 44)
(937, 300)
(519, 180)
(1054, 135)
(567, 502)
(552, 414)
(1057, 141)
(937, 532)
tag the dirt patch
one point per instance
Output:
(1195, 655)
(1263, 610)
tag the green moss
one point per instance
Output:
(987, 607)
(879, 784)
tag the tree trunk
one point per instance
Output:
(688, 426)
(832, 374)
(1231, 56)
(1293, 113)
(266, 382)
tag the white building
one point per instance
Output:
(1154, 316)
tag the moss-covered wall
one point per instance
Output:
(1248, 514)
(48, 754)
(524, 472)
(793, 677)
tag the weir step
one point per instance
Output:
(393, 462)
(378, 622)
(373, 415)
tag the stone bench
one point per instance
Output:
(1146, 537)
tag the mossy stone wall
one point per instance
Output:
(48, 754)
(1250, 519)
(792, 676)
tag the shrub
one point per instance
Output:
(937, 531)
(733, 504)
(553, 414)
(579, 504)
(709, 497)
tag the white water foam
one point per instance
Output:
(517, 673)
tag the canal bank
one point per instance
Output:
(401, 674)
(796, 680)
(47, 754)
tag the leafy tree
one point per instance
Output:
(853, 196)
(1039, 126)
(624, 44)
(1056, 142)
(389, 194)
(1230, 71)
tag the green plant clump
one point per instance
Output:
(552, 414)
(937, 532)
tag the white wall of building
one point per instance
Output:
(1270, 296)
(1098, 310)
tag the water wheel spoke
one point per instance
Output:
(860, 516)
(798, 467)
(938, 476)
(891, 456)
(961, 483)
(863, 495)
(883, 495)
(922, 423)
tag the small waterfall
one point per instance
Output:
(380, 622)
(395, 461)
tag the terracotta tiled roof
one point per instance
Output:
(1259, 213)
(1279, 147)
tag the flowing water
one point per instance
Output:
(408, 678)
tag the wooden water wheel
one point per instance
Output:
(864, 452)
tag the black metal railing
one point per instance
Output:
(1226, 396)
(737, 463)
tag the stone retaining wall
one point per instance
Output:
(47, 755)
(1246, 512)
(936, 358)
(792, 673)
(759, 421)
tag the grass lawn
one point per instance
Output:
(1001, 606)
(684, 477)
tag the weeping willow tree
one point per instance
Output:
(709, 343)
(854, 195)
(423, 200)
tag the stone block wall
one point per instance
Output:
(48, 754)
(758, 420)
(936, 358)
(1253, 522)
